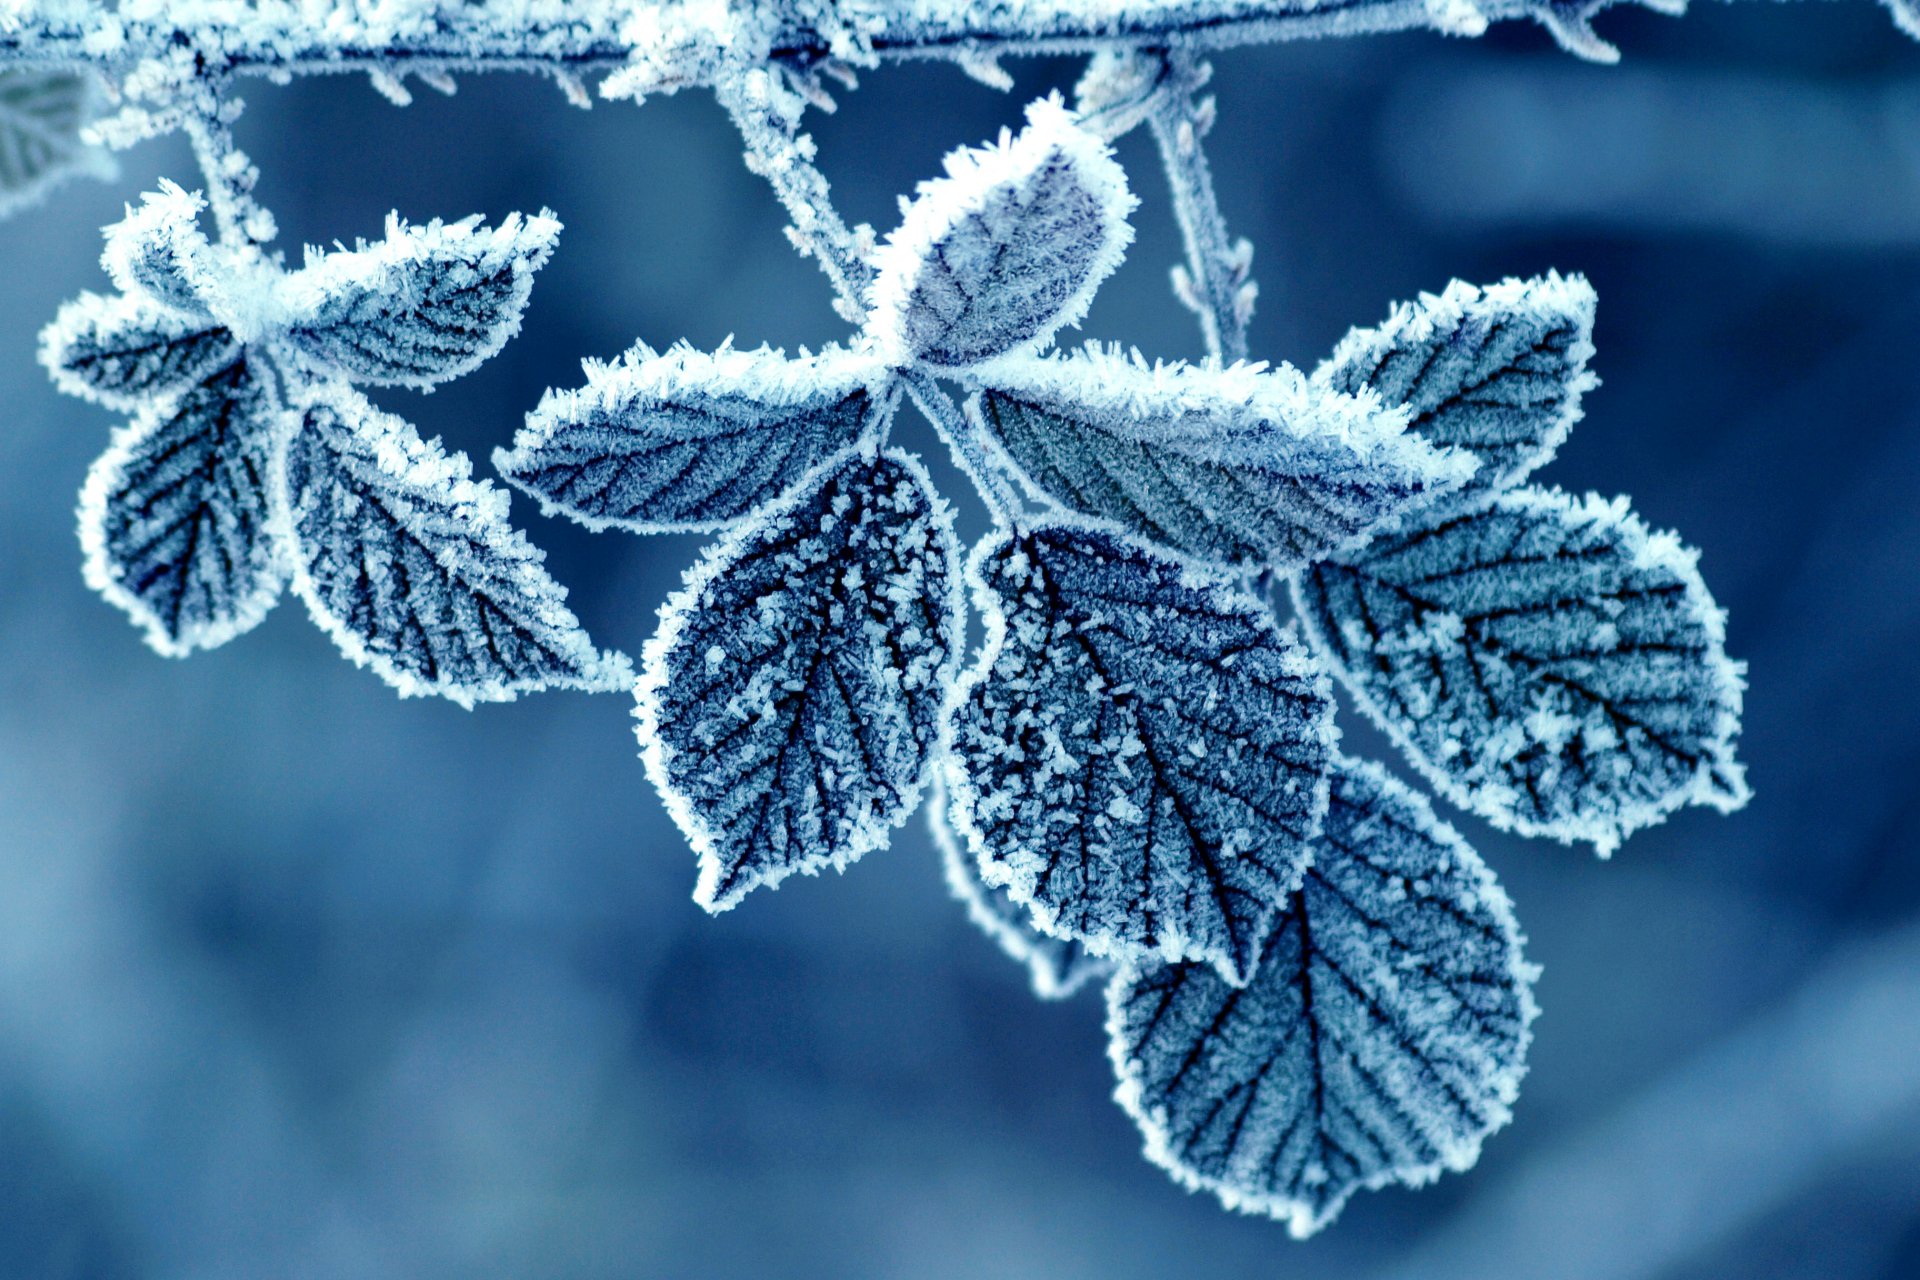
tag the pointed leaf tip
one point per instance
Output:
(788, 707)
(1006, 249)
(1138, 755)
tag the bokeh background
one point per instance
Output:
(301, 980)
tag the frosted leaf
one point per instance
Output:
(995, 257)
(412, 568)
(1906, 15)
(174, 515)
(1238, 466)
(42, 111)
(159, 252)
(124, 351)
(789, 703)
(1549, 663)
(688, 440)
(1382, 1038)
(1139, 755)
(1058, 967)
(1498, 372)
(422, 306)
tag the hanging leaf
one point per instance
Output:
(422, 306)
(690, 441)
(789, 703)
(173, 517)
(158, 252)
(1549, 663)
(1496, 372)
(412, 568)
(1381, 1039)
(42, 112)
(1139, 756)
(125, 352)
(1238, 466)
(1010, 246)
(1058, 967)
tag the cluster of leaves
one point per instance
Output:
(250, 461)
(1315, 985)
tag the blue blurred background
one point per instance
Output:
(300, 980)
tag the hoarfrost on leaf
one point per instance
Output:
(1057, 967)
(1497, 372)
(423, 305)
(789, 705)
(126, 352)
(412, 568)
(1139, 755)
(1548, 662)
(1382, 1038)
(42, 111)
(1239, 466)
(159, 252)
(174, 516)
(689, 440)
(1010, 246)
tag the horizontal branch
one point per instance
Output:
(687, 44)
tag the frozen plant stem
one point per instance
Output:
(1214, 285)
(230, 175)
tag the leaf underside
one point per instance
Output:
(1139, 756)
(789, 704)
(174, 515)
(413, 569)
(1381, 1039)
(1547, 662)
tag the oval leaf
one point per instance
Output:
(995, 257)
(42, 111)
(1549, 663)
(174, 515)
(789, 704)
(689, 441)
(1497, 372)
(1237, 466)
(1383, 1037)
(1139, 756)
(412, 568)
(125, 351)
(1058, 966)
(422, 306)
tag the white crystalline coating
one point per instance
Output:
(1057, 967)
(1497, 372)
(1548, 662)
(42, 111)
(1010, 246)
(1383, 1037)
(690, 440)
(421, 306)
(411, 567)
(1906, 16)
(159, 251)
(1138, 755)
(126, 352)
(1243, 465)
(174, 516)
(789, 705)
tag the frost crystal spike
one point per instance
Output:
(412, 568)
(690, 441)
(422, 306)
(1549, 663)
(1382, 1038)
(174, 515)
(1239, 466)
(1057, 967)
(1139, 755)
(1497, 372)
(1006, 249)
(789, 703)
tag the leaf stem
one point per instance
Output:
(230, 174)
(1214, 284)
